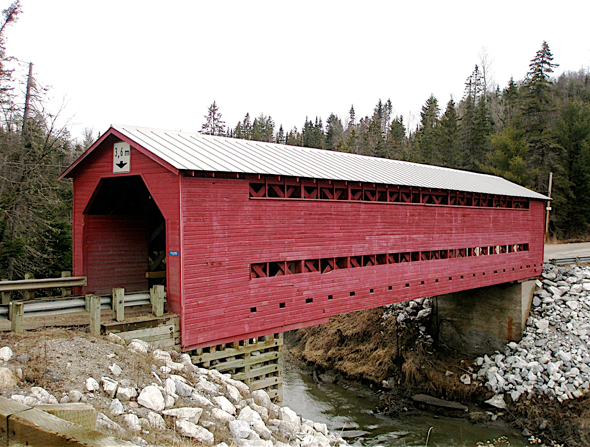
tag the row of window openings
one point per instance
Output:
(390, 288)
(326, 265)
(371, 193)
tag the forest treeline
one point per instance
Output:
(35, 207)
(531, 127)
(522, 132)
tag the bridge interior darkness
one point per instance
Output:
(129, 196)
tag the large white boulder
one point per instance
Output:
(262, 398)
(190, 430)
(201, 401)
(132, 422)
(139, 346)
(223, 403)
(151, 397)
(190, 414)
(126, 393)
(156, 421)
(92, 385)
(7, 379)
(109, 386)
(240, 429)
(221, 416)
(5, 354)
(255, 420)
(116, 407)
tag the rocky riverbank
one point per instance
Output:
(553, 358)
(149, 396)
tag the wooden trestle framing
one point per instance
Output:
(258, 362)
(161, 332)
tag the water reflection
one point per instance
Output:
(352, 415)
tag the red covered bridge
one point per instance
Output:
(252, 238)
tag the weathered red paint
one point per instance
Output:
(219, 231)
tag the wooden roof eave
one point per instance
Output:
(69, 172)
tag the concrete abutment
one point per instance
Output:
(482, 320)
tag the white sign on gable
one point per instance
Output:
(121, 158)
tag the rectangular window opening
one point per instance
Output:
(308, 300)
(371, 291)
(390, 288)
(253, 310)
(352, 293)
(330, 297)
(281, 305)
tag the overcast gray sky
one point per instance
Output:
(161, 64)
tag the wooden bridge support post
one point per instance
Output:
(17, 313)
(29, 294)
(66, 292)
(118, 304)
(157, 298)
(94, 306)
(5, 296)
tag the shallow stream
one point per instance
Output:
(353, 416)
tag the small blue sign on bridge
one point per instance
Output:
(173, 253)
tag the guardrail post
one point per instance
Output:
(94, 306)
(118, 304)
(157, 297)
(29, 294)
(5, 295)
(17, 312)
(66, 292)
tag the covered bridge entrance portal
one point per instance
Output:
(124, 237)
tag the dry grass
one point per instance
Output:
(348, 344)
(364, 347)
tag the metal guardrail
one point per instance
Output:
(577, 260)
(71, 305)
(47, 283)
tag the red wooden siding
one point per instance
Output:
(164, 188)
(224, 232)
(117, 253)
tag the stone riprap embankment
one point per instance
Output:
(182, 399)
(415, 312)
(553, 358)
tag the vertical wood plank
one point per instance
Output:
(17, 313)
(29, 294)
(94, 305)
(5, 295)
(157, 296)
(118, 304)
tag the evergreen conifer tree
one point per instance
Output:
(214, 125)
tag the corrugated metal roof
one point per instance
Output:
(196, 152)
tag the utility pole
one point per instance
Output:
(548, 209)
(27, 102)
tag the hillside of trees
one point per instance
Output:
(531, 127)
